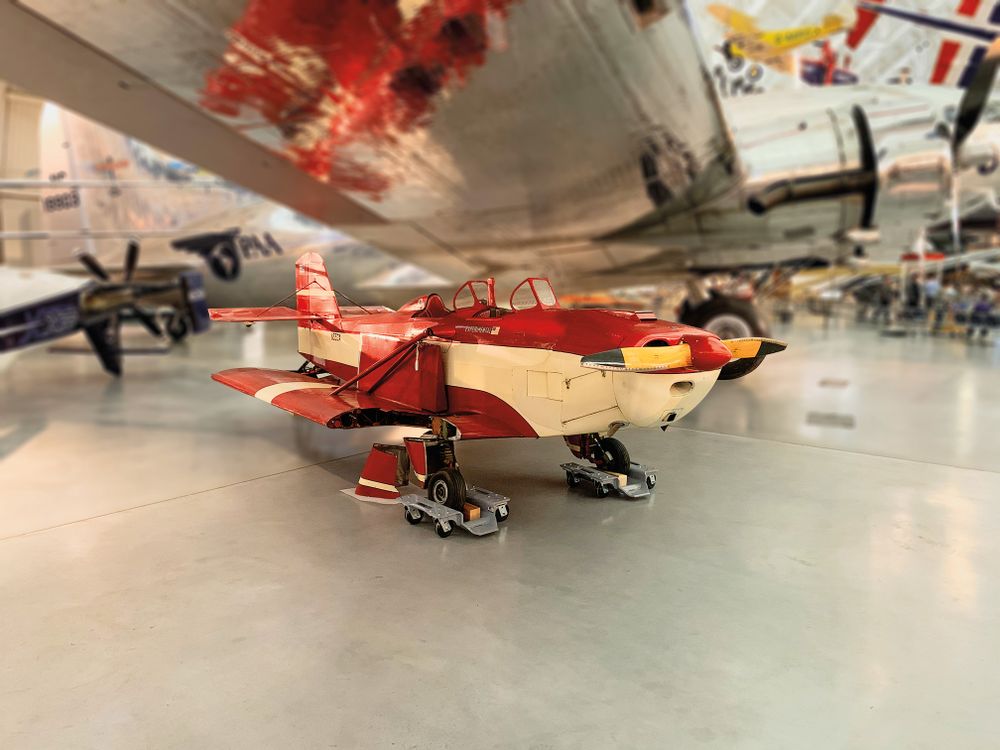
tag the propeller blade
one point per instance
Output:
(149, 321)
(131, 259)
(956, 220)
(973, 102)
(640, 358)
(93, 265)
(753, 347)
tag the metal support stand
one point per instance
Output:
(637, 484)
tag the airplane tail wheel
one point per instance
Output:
(447, 487)
(616, 454)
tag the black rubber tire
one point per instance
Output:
(572, 480)
(618, 459)
(718, 305)
(447, 487)
(442, 530)
(178, 328)
(651, 481)
(414, 516)
(502, 517)
(601, 491)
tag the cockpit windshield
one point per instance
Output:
(474, 294)
(533, 292)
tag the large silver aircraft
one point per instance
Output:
(578, 138)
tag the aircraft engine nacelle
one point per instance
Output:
(875, 167)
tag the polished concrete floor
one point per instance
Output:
(818, 568)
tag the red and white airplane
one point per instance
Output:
(479, 370)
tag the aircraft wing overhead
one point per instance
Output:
(438, 131)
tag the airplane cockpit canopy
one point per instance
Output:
(475, 294)
(477, 298)
(533, 292)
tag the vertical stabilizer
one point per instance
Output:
(313, 293)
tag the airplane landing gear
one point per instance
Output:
(448, 488)
(606, 453)
(613, 470)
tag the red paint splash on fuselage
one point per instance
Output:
(332, 73)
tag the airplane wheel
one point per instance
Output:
(726, 317)
(177, 328)
(502, 513)
(443, 529)
(413, 516)
(572, 480)
(618, 459)
(447, 487)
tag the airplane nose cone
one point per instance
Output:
(708, 352)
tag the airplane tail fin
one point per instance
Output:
(313, 293)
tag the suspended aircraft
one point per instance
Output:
(485, 137)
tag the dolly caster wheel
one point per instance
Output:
(443, 529)
(502, 513)
(651, 481)
(413, 516)
(571, 479)
(601, 490)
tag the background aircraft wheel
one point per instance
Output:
(726, 317)
(601, 490)
(571, 479)
(447, 487)
(443, 529)
(177, 328)
(502, 513)
(617, 455)
(413, 516)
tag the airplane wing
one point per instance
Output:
(453, 140)
(313, 399)
(739, 22)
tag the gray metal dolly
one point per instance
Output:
(492, 507)
(638, 483)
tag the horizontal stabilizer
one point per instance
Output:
(270, 314)
(257, 314)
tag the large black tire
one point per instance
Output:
(617, 457)
(447, 487)
(726, 317)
